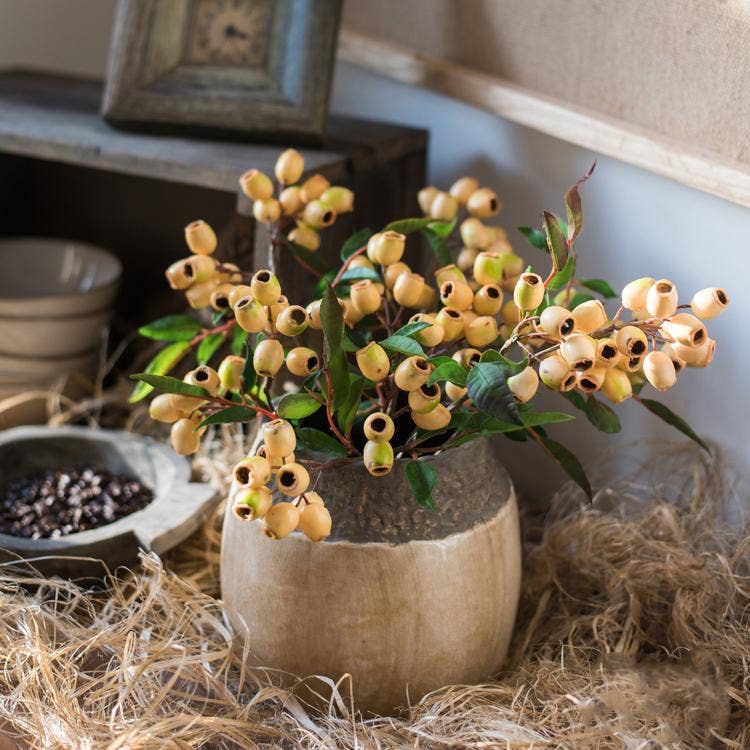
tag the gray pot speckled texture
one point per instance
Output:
(177, 510)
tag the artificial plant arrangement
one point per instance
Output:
(395, 367)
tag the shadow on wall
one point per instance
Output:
(636, 224)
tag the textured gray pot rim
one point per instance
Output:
(150, 525)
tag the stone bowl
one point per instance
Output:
(178, 508)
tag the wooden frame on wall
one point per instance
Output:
(272, 79)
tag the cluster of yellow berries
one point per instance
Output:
(254, 500)
(311, 205)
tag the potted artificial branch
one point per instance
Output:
(381, 450)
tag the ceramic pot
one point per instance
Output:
(403, 599)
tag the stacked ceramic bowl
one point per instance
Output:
(56, 299)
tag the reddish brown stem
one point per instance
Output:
(346, 263)
(224, 328)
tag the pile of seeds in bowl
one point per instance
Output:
(57, 503)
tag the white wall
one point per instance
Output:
(636, 223)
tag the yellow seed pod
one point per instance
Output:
(524, 385)
(565, 297)
(253, 471)
(589, 316)
(696, 356)
(630, 364)
(292, 479)
(425, 197)
(352, 315)
(238, 292)
(179, 275)
(466, 258)
(444, 207)
(455, 392)
(529, 291)
(250, 316)
(268, 358)
(463, 188)
(379, 427)
(292, 320)
(276, 462)
(265, 286)
(162, 409)
(483, 203)
(277, 308)
(279, 438)
(219, 299)
(340, 199)
(451, 272)
(281, 520)
(607, 353)
(407, 290)
(185, 404)
(199, 295)
(452, 323)
(678, 363)
(308, 498)
(365, 297)
(661, 299)
(392, 272)
(510, 314)
(467, 357)
(436, 419)
(229, 273)
(431, 336)
(482, 331)
(591, 380)
(252, 503)
(313, 315)
(425, 398)
(290, 200)
(488, 300)
(378, 457)
(200, 268)
(709, 303)
(634, 294)
(267, 211)
(200, 238)
(469, 317)
(205, 377)
(313, 187)
(373, 362)
(314, 521)
(555, 373)
(412, 373)
(616, 385)
(302, 361)
(386, 248)
(306, 237)
(631, 341)
(318, 215)
(475, 234)
(488, 268)
(230, 372)
(256, 185)
(289, 166)
(185, 440)
(557, 322)
(685, 329)
(501, 246)
(428, 298)
(361, 261)
(659, 370)
(579, 351)
(456, 294)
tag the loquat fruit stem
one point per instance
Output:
(346, 264)
(205, 332)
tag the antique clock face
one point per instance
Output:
(229, 32)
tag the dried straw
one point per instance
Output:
(634, 632)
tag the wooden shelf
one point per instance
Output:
(57, 119)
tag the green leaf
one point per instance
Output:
(161, 364)
(322, 283)
(442, 228)
(218, 315)
(556, 240)
(249, 377)
(297, 406)
(411, 328)
(451, 371)
(422, 477)
(332, 320)
(357, 240)
(578, 299)
(576, 399)
(168, 384)
(208, 347)
(348, 410)
(574, 207)
(409, 226)
(361, 272)
(239, 337)
(403, 345)
(568, 462)
(561, 278)
(440, 359)
(537, 418)
(171, 328)
(438, 247)
(600, 287)
(348, 345)
(665, 413)
(338, 372)
(315, 440)
(230, 414)
(535, 237)
(601, 416)
(488, 389)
